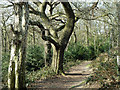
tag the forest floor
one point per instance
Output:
(74, 78)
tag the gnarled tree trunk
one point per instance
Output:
(59, 43)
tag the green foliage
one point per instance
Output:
(91, 52)
(104, 47)
(35, 58)
(34, 61)
(43, 73)
(5, 63)
(77, 51)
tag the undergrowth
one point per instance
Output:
(105, 72)
(47, 72)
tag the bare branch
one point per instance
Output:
(33, 11)
(56, 15)
(42, 32)
(36, 23)
(60, 20)
(9, 16)
(60, 28)
(37, 3)
(94, 18)
(7, 6)
(12, 28)
(86, 10)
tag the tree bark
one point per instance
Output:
(118, 55)
(0, 59)
(87, 35)
(64, 39)
(113, 37)
(47, 51)
(16, 71)
(34, 37)
(4, 33)
(57, 60)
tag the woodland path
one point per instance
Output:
(74, 77)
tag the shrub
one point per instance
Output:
(43, 73)
(105, 72)
(92, 52)
(35, 58)
(77, 51)
(5, 63)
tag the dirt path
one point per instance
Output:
(73, 77)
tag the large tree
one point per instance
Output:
(16, 71)
(59, 43)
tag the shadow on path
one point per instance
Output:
(72, 78)
(75, 74)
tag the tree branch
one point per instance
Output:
(36, 23)
(60, 28)
(59, 20)
(37, 3)
(33, 11)
(86, 10)
(46, 38)
(69, 26)
(12, 28)
(94, 17)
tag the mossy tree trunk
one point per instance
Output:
(57, 60)
(16, 71)
(47, 50)
(58, 43)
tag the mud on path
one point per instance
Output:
(75, 76)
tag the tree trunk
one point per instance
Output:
(118, 56)
(0, 59)
(57, 60)
(5, 41)
(58, 43)
(47, 54)
(113, 37)
(11, 69)
(2, 37)
(16, 71)
(87, 34)
(34, 37)
(75, 37)
(47, 51)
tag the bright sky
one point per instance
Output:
(65, 0)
